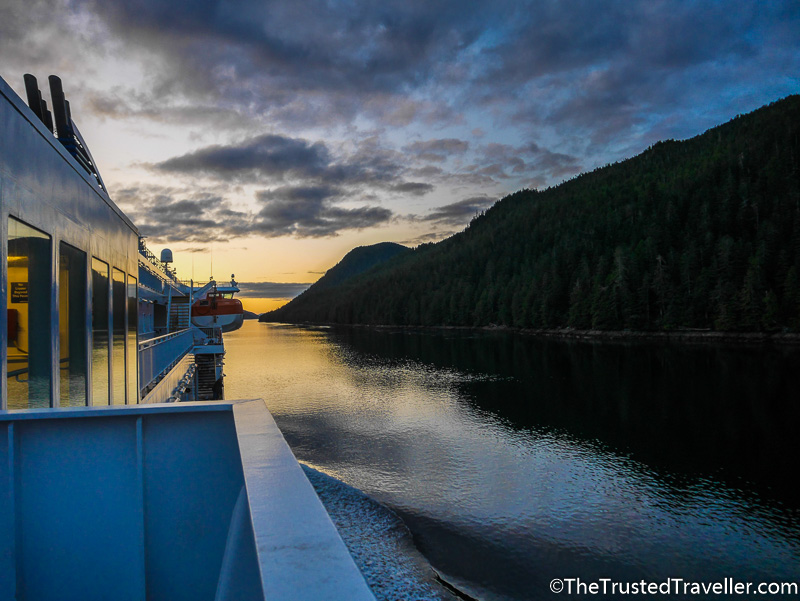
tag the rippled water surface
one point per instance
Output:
(516, 460)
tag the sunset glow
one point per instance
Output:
(273, 138)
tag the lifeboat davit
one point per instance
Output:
(216, 311)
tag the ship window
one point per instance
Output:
(72, 325)
(28, 361)
(132, 348)
(100, 315)
(119, 300)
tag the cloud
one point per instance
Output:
(46, 32)
(276, 62)
(529, 64)
(414, 188)
(270, 158)
(604, 77)
(372, 101)
(554, 164)
(167, 214)
(529, 158)
(428, 171)
(131, 104)
(268, 155)
(310, 212)
(361, 46)
(459, 213)
(427, 238)
(437, 150)
(276, 290)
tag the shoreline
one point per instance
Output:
(686, 336)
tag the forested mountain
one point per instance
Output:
(702, 233)
(356, 262)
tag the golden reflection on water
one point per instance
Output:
(499, 506)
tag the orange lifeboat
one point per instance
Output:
(215, 311)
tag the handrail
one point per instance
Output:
(159, 339)
(211, 335)
(155, 262)
(158, 355)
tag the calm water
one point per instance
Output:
(516, 461)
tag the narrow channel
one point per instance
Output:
(515, 461)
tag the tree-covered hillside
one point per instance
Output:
(703, 233)
(354, 263)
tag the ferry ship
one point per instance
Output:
(124, 473)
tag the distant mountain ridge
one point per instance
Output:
(697, 234)
(358, 261)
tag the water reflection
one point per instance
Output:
(517, 460)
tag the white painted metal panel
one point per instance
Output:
(184, 501)
(300, 553)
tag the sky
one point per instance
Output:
(269, 138)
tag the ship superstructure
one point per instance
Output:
(110, 488)
(180, 354)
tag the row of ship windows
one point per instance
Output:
(109, 342)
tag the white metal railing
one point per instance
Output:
(158, 355)
(174, 383)
(205, 335)
(160, 266)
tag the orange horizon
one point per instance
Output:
(262, 305)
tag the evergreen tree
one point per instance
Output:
(703, 233)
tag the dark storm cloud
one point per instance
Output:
(414, 188)
(166, 214)
(302, 46)
(181, 215)
(554, 164)
(308, 212)
(600, 65)
(268, 155)
(186, 215)
(520, 160)
(273, 158)
(612, 69)
(591, 80)
(277, 290)
(459, 213)
(313, 63)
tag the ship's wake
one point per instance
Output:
(380, 543)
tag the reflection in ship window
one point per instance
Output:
(118, 345)
(28, 317)
(99, 332)
(133, 344)
(72, 325)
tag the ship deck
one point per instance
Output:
(174, 501)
